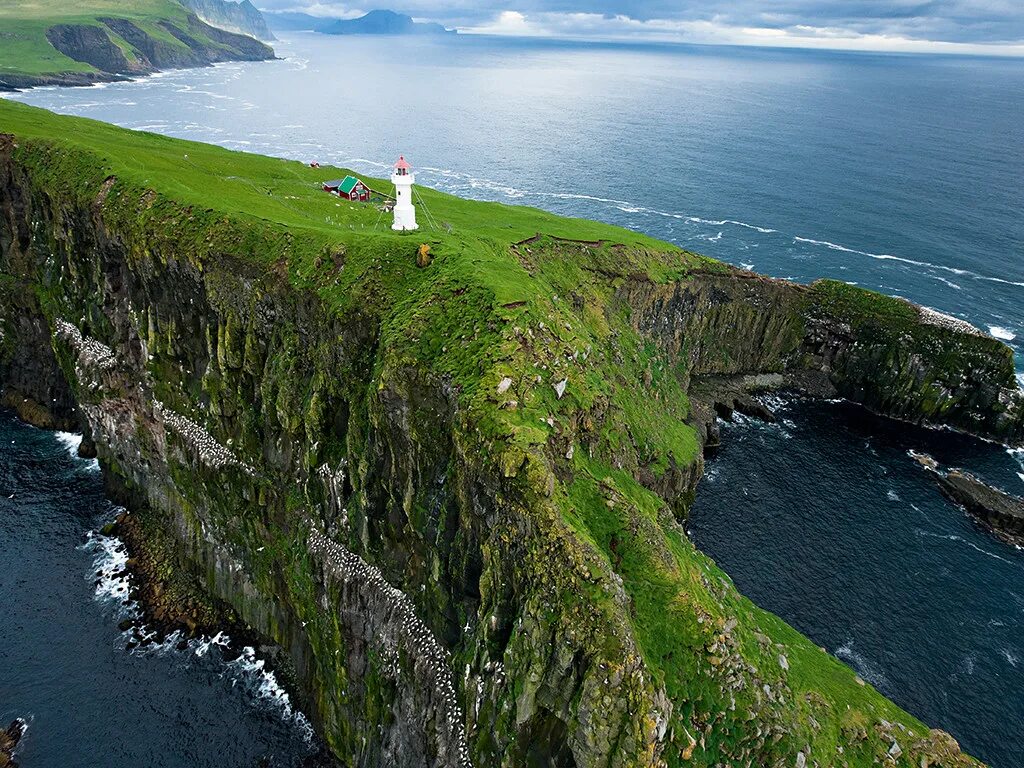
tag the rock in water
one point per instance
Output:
(87, 448)
(998, 510)
(9, 740)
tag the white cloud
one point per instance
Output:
(511, 23)
(620, 27)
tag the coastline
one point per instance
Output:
(116, 49)
(556, 528)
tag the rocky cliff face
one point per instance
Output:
(241, 17)
(446, 596)
(891, 356)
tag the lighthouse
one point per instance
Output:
(405, 213)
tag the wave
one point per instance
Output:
(71, 442)
(252, 674)
(962, 540)
(904, 260)
(110, 558)
(733, 222)
(1002, 333)
(865, 668)
(950, 283)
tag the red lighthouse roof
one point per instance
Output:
(402, 164)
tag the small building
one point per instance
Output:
(349, 188)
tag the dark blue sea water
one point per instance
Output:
(899, 173)
(827, 521)
(64, 664)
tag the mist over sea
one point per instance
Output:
(903, 174)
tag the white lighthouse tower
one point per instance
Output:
(405, 212)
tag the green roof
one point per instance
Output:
(348, 184)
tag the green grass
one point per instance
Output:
(492, 306)
(24, 49)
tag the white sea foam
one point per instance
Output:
(69, 440)
(864, 668)
(904, 260)
(1010, 656)
(1002, 333)
(943, 280)
(962, 540)
(251, 673)
(893, 496)
(110, 556)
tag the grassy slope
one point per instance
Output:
(24, 49)
(476, 316)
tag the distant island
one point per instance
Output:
(379, 22)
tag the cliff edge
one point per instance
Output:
(452, 493)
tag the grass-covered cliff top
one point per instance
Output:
(24, 48)
(518, 313)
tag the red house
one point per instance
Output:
(349, 188)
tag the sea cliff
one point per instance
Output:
(92, 41)
(452, 493)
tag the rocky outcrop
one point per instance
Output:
(833, 340)
(92, 45)
(10, 737)
(31, 383)
(445, 595)
(997, 510)
(202, 44)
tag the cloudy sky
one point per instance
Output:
(967, 26)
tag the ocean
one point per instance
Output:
(66, 668)
(900, 173)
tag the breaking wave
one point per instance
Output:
(999, 332)
(865, 668)
(251, 674)
(109, 561)
(71, 443)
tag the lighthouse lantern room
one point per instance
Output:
(405, 212)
